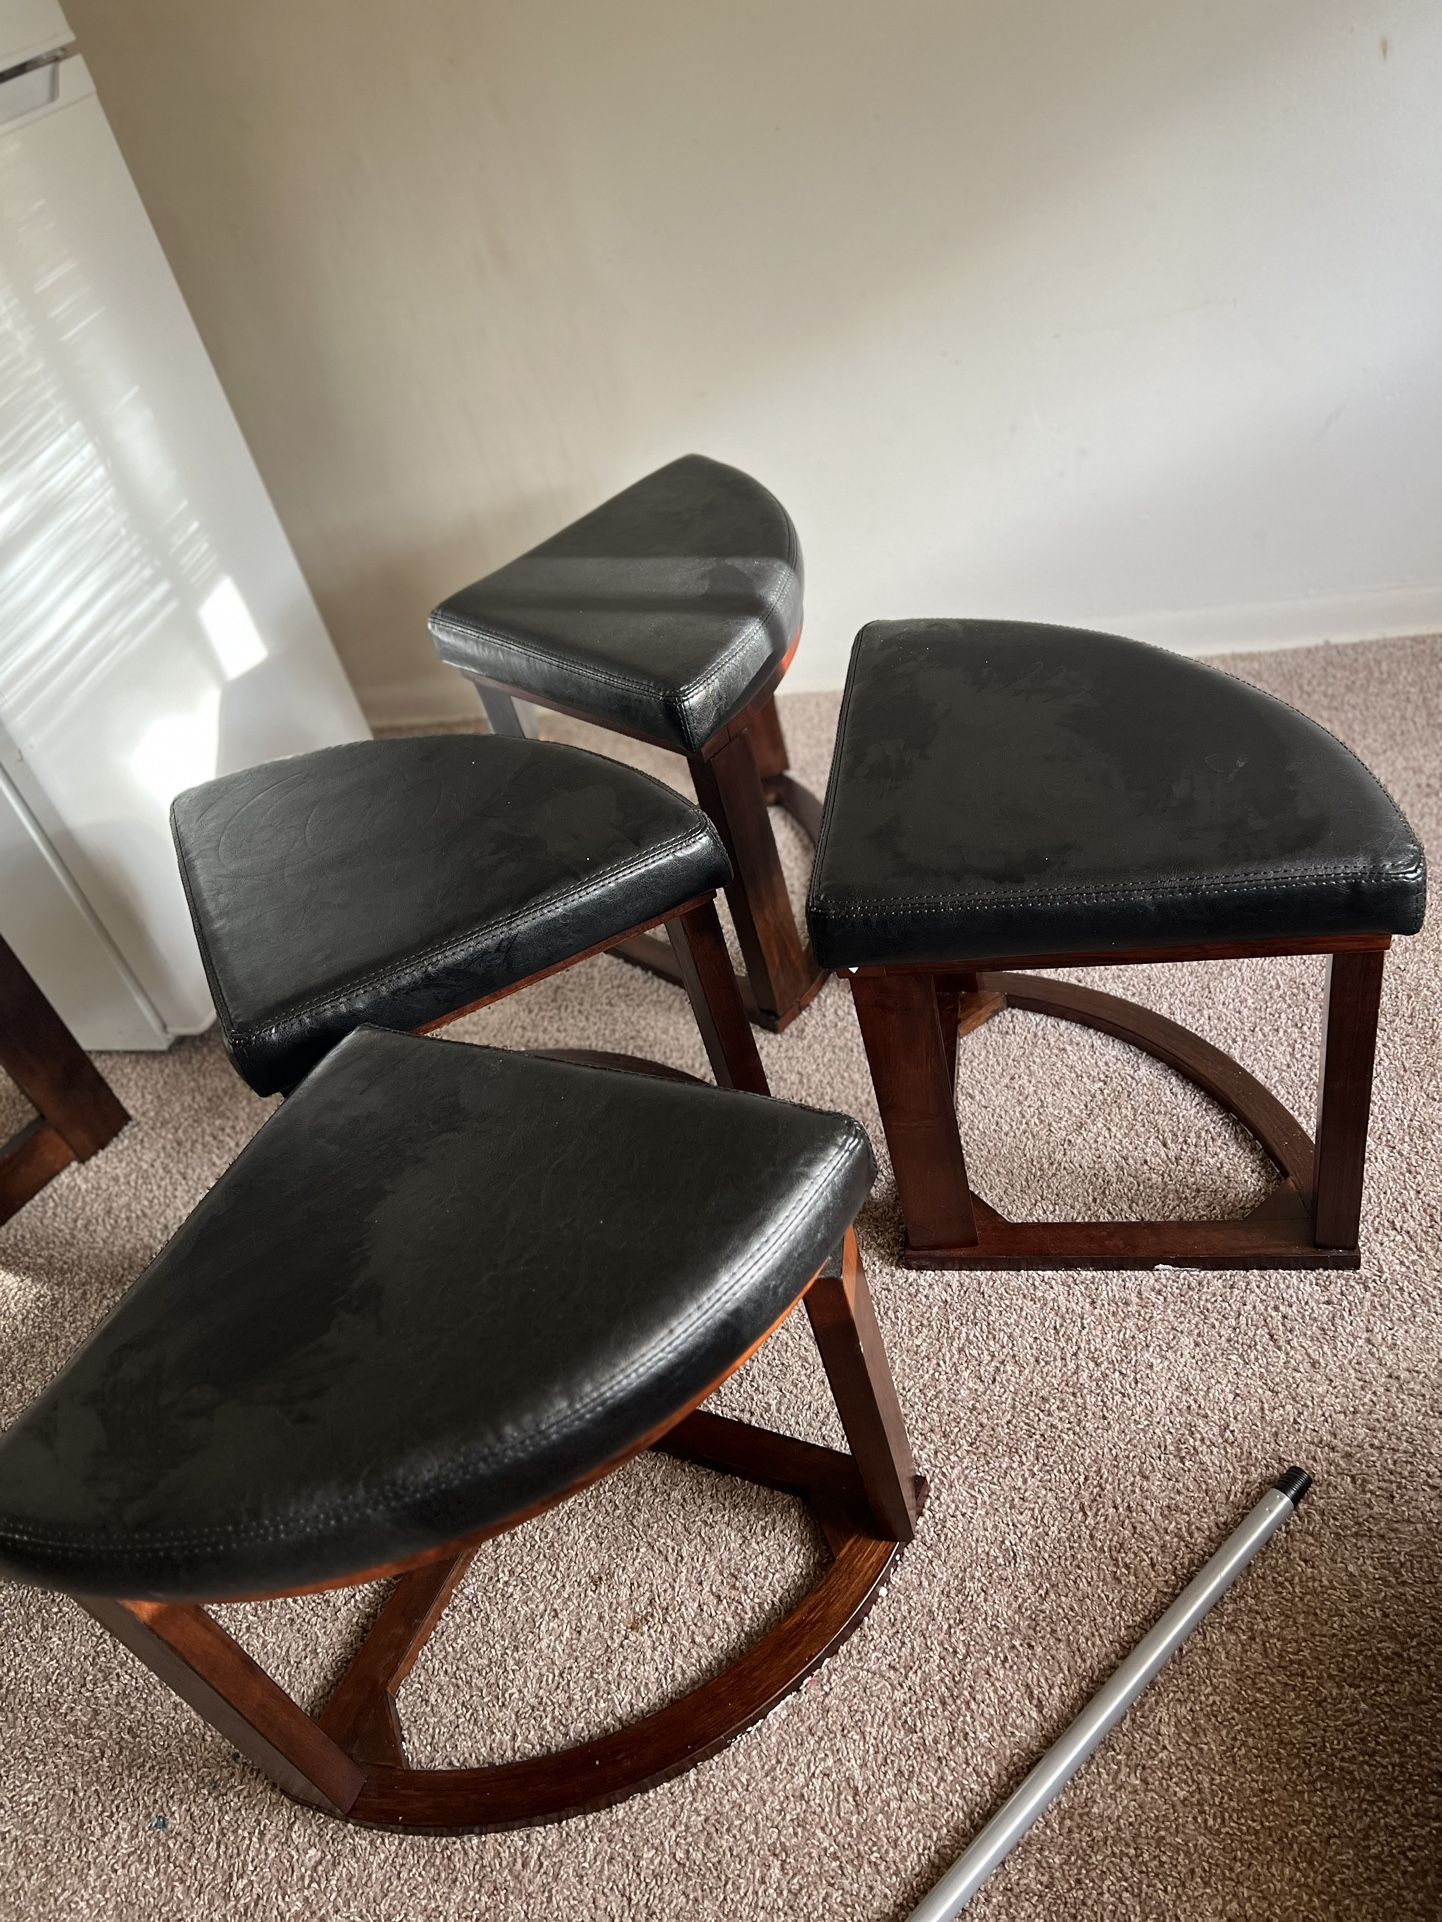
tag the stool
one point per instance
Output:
(669, 614)
(1007, 796)
(440, 1291)
(408, 882)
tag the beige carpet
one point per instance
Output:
(1088, 1437)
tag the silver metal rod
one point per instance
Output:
(1106, 1708)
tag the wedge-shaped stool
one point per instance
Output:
(408, 882)
(441, 1290)
(1008, 797)
(670, 614)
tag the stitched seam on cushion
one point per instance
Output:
(457, 945)
(655, 690)
(240, 1036)
(759, 621)
(757, 625)
(653, 1361)
(476, 629)
(1025, 897)
(450, 626)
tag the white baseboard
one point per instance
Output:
(417, 704)
(1387, 614)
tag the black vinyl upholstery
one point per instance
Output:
(659, 613)
(1003, 789)
(398, 881)
(441, 1285)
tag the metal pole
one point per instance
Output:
(1110, 1703)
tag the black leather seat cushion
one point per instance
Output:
(660, 613)
(1001, 789)
(398, 881)
(441, 1285)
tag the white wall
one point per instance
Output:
(1113, 312)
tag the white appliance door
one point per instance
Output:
(29, 28)
(52, 928)
(155, 628)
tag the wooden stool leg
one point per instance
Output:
(514, 719)
(773, 764)
(77, 1112)
(949, 997)
(207, 1668)
(728, 786)
(769, 743)
(902, 1031)
(700, 949)
(1349, 1046)
(50, 1067)
(844, 1324)
(361, 1715)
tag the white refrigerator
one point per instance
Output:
(155, 628)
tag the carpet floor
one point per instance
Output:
(1089, 1438)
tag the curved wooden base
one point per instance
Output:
(1228, 1083)
(1276, 1233)
(593, 1775)
(913, 1057)
(350, 1761)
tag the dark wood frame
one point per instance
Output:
(77, 1112)
(911, 1019)
(702, 966)
(350, 1759)
(737, 774)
